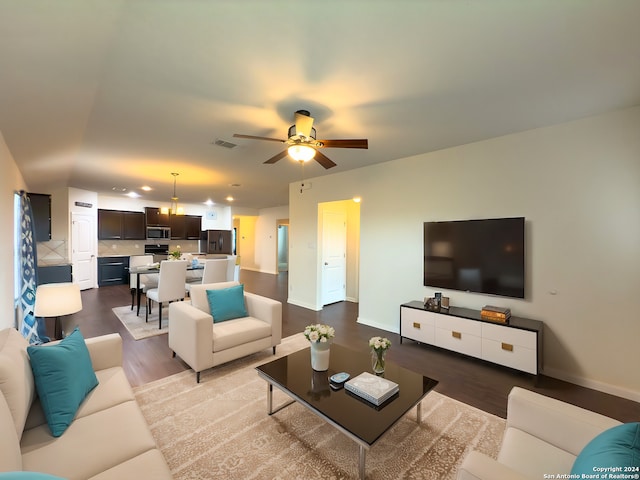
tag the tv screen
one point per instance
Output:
(483, 256)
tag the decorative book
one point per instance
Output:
(495, 314)
(372, 388)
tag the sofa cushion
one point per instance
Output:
(238, 332)
(91, 445)
(613, 450)
(63, 376)
(227, 303)
(528, 454)
(10, 456)
(16, 379)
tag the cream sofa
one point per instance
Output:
(108, 438)
(543, 436)
(203, 344)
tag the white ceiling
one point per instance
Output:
(103, 93)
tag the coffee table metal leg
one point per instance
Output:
(270, 409)
(361, 462)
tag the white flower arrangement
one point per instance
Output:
(319, 333)
(379, 343)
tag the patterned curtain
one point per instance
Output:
(32, 328)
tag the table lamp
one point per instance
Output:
(55, 300)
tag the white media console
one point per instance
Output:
(517, 344)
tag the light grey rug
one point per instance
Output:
(219, 429)
(136, 325)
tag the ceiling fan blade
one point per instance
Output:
(277, 157)
(353, 143)
(323, 160)
(253, 137)
(304, 123)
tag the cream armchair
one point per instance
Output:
(203, 344)
(543, 436)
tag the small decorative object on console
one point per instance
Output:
(379, 347)
(495, 314)
(372, 388)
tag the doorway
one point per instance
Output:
(282, 246)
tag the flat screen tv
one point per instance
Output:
(483, 256)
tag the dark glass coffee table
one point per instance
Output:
(360, 420)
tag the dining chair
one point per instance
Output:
(171, 282)
(232, 269)
(146, 281)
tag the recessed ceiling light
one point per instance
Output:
(209, 202)
(229, 198)
(132, 194)
(146, 188)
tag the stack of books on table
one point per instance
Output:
(372, 388)
(495, 314)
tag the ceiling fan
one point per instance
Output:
(302, 143)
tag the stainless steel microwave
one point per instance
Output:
(158, 233)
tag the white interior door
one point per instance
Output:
(334, 257)
(83, 250)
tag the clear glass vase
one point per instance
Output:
(378, 360)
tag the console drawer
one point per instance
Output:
(510, 354)
(417, 325)
(513, 336)
(459, 341)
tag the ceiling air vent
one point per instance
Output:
(224, 143)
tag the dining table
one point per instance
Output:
(150, 269)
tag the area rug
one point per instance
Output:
(219, 429)
(136, 325)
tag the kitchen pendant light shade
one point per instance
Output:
(175, 209)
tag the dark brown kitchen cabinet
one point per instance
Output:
(113, 271)
(121, 225)
(134, 226)
(41, 209)
(178, 227)
(109, 224)
(155, 217)
(193, 225)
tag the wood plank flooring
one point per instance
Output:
(471, 381)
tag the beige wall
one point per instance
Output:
(10, 181)
(577, 184)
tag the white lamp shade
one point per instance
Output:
(57, 299)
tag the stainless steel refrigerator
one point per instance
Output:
(217, 241)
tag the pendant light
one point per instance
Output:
(175, 209)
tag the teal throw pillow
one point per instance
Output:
(227, 303)
(63, 375)
(612, 450)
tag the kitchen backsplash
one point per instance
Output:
(52, 252)
(136, 247)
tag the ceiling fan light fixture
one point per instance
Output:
(301, 153)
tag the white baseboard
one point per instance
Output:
(593, 384)
(371, 323)
(308, 306)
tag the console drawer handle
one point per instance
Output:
(455, 334)
(507, 346)
(416, 325)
